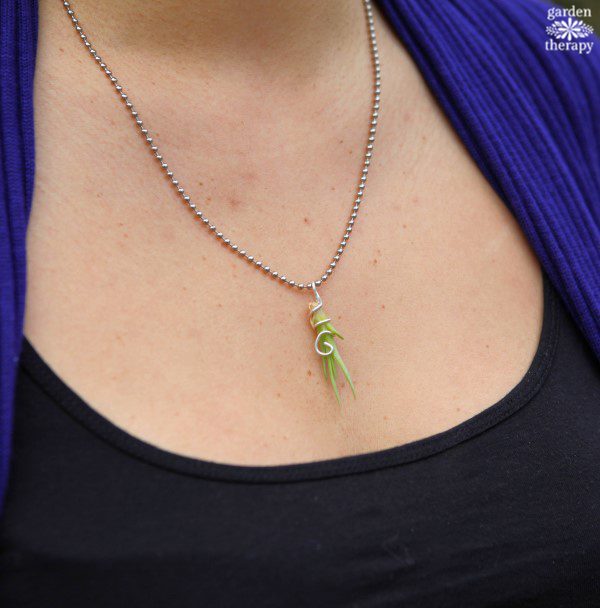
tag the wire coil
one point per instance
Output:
(323, 332)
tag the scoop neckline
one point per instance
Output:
(529, 384)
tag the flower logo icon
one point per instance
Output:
(572, 28)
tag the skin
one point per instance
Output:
(263, 117)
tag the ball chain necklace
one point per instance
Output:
(324, 343)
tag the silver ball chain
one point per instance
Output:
(181, 191)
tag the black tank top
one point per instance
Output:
(500, 510)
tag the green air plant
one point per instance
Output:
(326, 346)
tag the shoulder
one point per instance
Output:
(497, 69)
(527, 109)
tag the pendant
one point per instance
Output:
(325, 344)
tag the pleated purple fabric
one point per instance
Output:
(18, 38)
(530, 117)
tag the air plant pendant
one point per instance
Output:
(325, 345)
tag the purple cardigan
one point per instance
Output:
(529, 116)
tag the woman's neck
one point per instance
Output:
(257, 36)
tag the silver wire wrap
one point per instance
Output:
(323, 332)
(181, 191)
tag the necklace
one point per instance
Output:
(325, 344)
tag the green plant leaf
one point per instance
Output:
(341, 363)
(331, 365)
(333, 330)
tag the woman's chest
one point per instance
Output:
(181, 342)
(177, 339)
